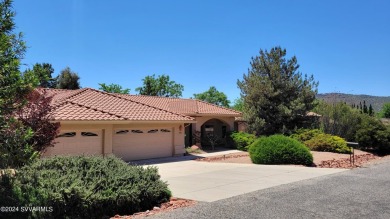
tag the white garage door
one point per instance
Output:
(138, 144)
(88, 142)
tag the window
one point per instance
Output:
(165, 130)
(153, 131)
(121, 132)
(223, 131)
(66, 135)
(88, 134)
(209, 128)
(137, 131)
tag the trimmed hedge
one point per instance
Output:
(83, 187)
(328, 143)
(242, 140)
(279, 149)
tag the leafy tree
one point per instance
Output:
(276, 95)
(338, 119)
(68, 80)
(14, 86)
(212, 95)
(385, 112)
(44, 73)
(238, 104)
(37, 114)
(113, 88)
(373, 134)
(160, 86)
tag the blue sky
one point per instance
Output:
(344, 44)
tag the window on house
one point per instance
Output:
(209, 128)
(66, 135)
(136, 131)
(88, 134)
(165, 130)
(121, 132)
(153, 131)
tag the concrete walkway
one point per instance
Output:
(204, 181)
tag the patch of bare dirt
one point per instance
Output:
(174, 203)
(320, 159)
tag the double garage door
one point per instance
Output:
(128, 144)
(88, 142)
(145, 143)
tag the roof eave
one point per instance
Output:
(123, 121)
(213, 114)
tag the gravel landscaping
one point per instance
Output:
(321, 159)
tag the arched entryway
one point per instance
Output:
(214, 131)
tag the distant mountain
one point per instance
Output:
(376, 101)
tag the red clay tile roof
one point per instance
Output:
(89, 104)
(183, 106)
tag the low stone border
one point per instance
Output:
(221, 157)
(346, 162)
(174, 203)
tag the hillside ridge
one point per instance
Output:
(376, 101)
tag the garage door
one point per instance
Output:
(138, 144)
(88, 142)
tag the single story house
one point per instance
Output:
(132, 127)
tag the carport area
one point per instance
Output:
(208, 182)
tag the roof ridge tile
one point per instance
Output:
(225, 108)
(144, 104)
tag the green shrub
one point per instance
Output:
(303, 135)
(328, 143)
(83, 187)
(15, 150)
(242, 140)
(279, 149)
(373, 134)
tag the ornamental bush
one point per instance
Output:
(279, 149)
(242, 140)
(328, 143)
(303, 135)
(373, 134)
(83, 187)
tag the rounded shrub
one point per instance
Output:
(83, 187)
(242, 140)
(328, 143)
(279, 149)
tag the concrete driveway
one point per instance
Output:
(204, 181)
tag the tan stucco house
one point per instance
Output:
(132, 127)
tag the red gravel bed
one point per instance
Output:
(320, 159)
(174, 203)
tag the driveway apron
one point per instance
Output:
(208, 182)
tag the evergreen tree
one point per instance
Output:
(276, 96)
(365, 109)
(68, 79)
(371, 111)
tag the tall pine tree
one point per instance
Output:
(275, 94)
